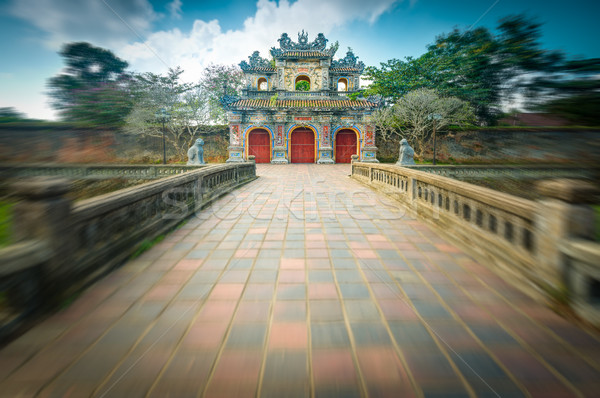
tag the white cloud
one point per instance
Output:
(174, 8)
(206, 42)
(119, 24)
(105, 23)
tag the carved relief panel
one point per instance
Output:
(279, 135)
(326, 136)
(369, 136)
(234, 135)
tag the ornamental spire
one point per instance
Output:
(319, 44)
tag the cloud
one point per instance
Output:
(106, 23)
(174, 8)
(206, 42)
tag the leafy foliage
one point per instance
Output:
(10, 114)
(412, 116)
(186, 105)
(573, 91)
(218, 81)
(5, 223)
(474, 65)
(302, 85)
(93, 88)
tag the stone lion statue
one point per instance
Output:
(196, 153)
(407, 154)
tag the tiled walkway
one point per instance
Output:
(303, 283)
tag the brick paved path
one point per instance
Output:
(303, 283)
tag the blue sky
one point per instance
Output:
(154, 35)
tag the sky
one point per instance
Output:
(153, 35)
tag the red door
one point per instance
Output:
(345, 146)
(303, 146)
(259, 145)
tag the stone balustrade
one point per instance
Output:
(297, 94)
(84, 240)
(503, 171)
(522, 238)
(81, 171)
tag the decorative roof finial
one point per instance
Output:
(319, 44)
(302, 38)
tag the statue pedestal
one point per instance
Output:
(279, 155)
(236, 154)
(369, 154)
(325, 156)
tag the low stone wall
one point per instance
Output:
(69, 143)
(582, 272)
(517, 236)
(86, 239)
(513, 171)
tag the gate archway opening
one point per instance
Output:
(302, 145)
(262, 84)
(302, 83)
(346, 145)
(259, 145)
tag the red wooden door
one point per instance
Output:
(303, 146)
(345, 146)
(259, 145)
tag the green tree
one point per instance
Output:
(10, 114)
(302, 85)
(474, 65)
(411, 117)
(572, 92)
(186, 103)
(93, 88)
(218, 81)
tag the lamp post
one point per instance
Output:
(434, 117)
(163, 116)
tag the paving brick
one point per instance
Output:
(291, 291)
(329, 335)
(288, 335)
(289, 310)
(300, 269)
(334, 373)
(236, 374)
(286, 374)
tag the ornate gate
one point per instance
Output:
(259, 145)
(302, 148)
(345, 146)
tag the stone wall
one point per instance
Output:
(529, 242)
(66, 143)
(61, 246)
(502, 145)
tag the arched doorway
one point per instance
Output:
(262, 84)
(302, 83)
(259, 145)
(302, 146)
(345, 146)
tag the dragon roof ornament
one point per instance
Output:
(319, 44)
(255, 61)
(349, 61)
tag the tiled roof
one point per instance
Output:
(262, 69)
(344, 70)
(318, 103)
(304, 54)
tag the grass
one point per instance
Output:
(146, 245)
(597, 221)
(5, 223)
